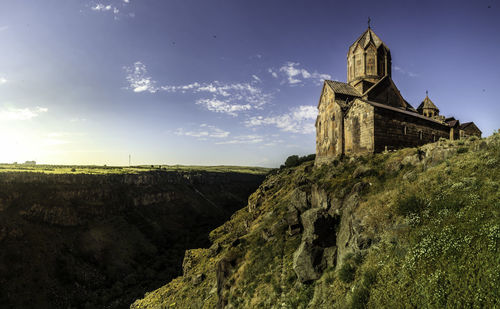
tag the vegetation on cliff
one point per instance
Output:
(415, 228)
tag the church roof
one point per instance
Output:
(427, 103)
(399, 110)
(452, 122)
(343, 88)
(469, 124)
(367, 37)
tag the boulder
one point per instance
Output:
(305, 261)
(319, 197)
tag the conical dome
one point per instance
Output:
(368, 59)
(427, 107)
(366, 38)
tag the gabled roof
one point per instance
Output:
(469, 124)
(384, 83)
(366, 38)
(452, 123)
(399, 110)
(343, 88)
(427, 103)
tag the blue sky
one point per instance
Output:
(220, 82)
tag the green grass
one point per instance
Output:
(100, 169)
(435, 227)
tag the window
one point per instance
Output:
(370, 66)
(433, 137)
(405, 130)
(420, 135)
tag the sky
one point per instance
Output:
(213, 82)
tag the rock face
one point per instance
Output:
(101, 241)
(360, 232)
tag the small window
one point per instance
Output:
(405, 130)
(433, 137)
(420, 135)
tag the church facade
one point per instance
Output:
(368, 114)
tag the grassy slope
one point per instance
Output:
(94, 169)
(435, 226)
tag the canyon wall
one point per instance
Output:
(101, 241)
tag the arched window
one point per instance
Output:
(370, 65)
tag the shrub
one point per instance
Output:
(347, 272)
(73, 169)
(409, 205)
(360, 297)
(462, 150)
(295, 160)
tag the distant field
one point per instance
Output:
(95, 169)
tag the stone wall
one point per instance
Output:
(358, 129)
(328, 127)
(390, 132)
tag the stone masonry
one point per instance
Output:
(368, 114)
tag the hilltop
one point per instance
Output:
(418, 227)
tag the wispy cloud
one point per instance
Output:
(218, 106)
(294, 74)
(203, 132)
(21, 113)
(114, 7)
(298, 120)
(102, 7)
(256, 78)
(227, 98)
(243, 139)
(138, 78)
(3, 80)
(402, 71)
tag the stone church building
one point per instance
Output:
(368, 113)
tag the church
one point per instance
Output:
(368, 114)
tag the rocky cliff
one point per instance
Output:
(415, 228)
(101, 241)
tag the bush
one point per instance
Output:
(360, 297)
(347, 272)
(462, 150)
(409, 205)
(295, 160)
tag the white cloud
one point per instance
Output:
(101, 7)
(138, 78)
(228, 98)
(404, 72)
(203, 132)
(299, 120)
(21, 113)
(243, 139)
(294, 74)
(225, 107)
(114, 7)
(256, 78)
(3, 80)
(274, 74)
